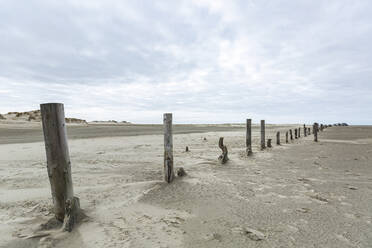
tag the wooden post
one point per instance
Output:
(58, 158)
(315, 131)
(168, 148)
(269, 143)
(305, 133)
(291, 133)
(263, 134)
(309, 130)
(278, 138)
(299, 132)
(286, 137)
(295, 133)
(249, 137)
(223, 158)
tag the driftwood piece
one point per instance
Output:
(286, 137)
(299, 132)
(263, 135)
(248, 140)
(305, 133)
(291, 133)
(295, 131)
(269, 143)
(58, 158)
(278, 138)
(168, 148)
(223, 158)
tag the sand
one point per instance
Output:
(302, 194)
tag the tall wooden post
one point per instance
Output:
(315, 131)
(299, 132)
(309, 130)
(291, 133)
(278, 138)
(295, 133)
(263, 134)
(305, 133)
(58, 158)
(286, 137)
(248, 140)
(223, 158)
(168, 148)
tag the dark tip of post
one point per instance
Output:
(187, 149)
(51, 103)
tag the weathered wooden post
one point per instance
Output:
(263, 134)
(309, 131)
(305, 133)
(286, 137)
(278, 138)
(315, 131)
(291, 133)
(295, 133)
(249, 137)
(321, 127)
(168, 148)
(269, 143)
(59, 164)
(299, 132)
(223, 158)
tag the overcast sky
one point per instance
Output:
(207, 61)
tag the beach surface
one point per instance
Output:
(301, 194)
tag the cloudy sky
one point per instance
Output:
(207, 61)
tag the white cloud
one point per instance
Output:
(286, 60)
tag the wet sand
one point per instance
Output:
(302, 194)
(26, 133)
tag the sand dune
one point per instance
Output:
(30, 116)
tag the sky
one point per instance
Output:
(206, 61)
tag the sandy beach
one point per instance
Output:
(301, 194)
